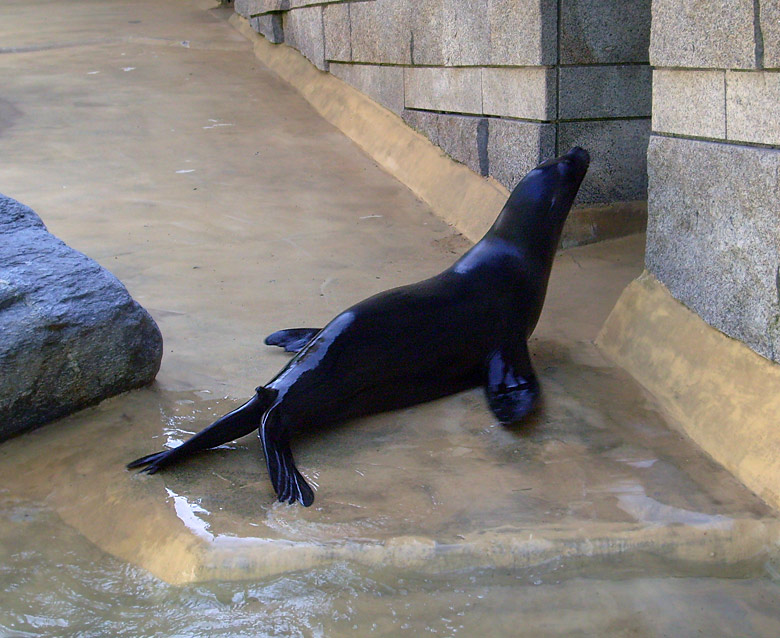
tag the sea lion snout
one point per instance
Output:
(580, 155)
(576, 161)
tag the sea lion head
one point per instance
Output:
(540, 203)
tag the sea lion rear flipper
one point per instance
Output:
(512, 388)
(287, 481)
(291, 339)
(233, 425)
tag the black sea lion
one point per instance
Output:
(465, 327)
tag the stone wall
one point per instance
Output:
(499, 85)
(714, 163)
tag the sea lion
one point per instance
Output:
(467, 326)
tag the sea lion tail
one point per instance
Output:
(287, 481)
(233, 425)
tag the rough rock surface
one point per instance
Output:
(70, 334)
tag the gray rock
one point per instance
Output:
(605, 31)
(453, 32)
(713, 237)
(617, 149)
(688, 102)
(753, 106)
(70, 334)
(249, 8)
(528, 93)
(457, 90)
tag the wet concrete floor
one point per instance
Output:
(146, 135)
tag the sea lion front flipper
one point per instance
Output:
(233, 425)
(291, 339)
(512, 388)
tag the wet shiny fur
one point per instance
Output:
(467, 326)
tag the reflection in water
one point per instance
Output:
(179, 424)
(648, 510)
(188, 514)
(54, 583)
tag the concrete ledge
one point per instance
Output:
(737, 547)
(721, 393)
(455, 193)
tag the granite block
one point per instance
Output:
(462, 137)
(605, 91)
(527, 93)
(384, 84)
(381, 31)
(618, 158)
(457, 90)
(514, 148)
(336, 23)
(769, 21)
(713, 238)
(605, 31)
(294, 4)
(270, 26)
(249, 8)
(450, 32)
(523, 32)
(303, 30)
(703, 33)
(691, 103)
(753, 106)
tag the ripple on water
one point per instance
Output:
(55, 583)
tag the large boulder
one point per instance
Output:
(70, 334)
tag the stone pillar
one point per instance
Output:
(714, 163)
(713, 238)
(499, 85)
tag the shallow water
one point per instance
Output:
(54, 583)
